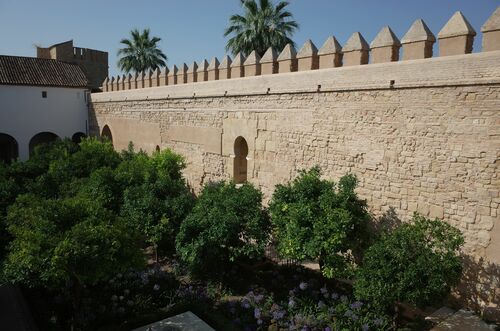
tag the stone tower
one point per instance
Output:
(94, 63)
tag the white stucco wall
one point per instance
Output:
(24, 113)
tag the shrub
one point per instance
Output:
(156, 199)
(417, 263)
(320, 220)
(226, 224)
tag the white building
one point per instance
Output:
(40, 100)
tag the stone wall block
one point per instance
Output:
(123, 82)
(418, 41)
(105, 85)
(225, 68)
(163, 79)
(269, 63)
(192, 73)
(287, 60)
(182, 76)
(356, 50)
(172, 76)
(307, 57)
(252, 65)
(202, 74)
(456, 37)
(385, 46)
(237, 67)
(155, 78)
(491, 32)
(148, 79)
(330, 54)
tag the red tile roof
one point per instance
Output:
(18, 70)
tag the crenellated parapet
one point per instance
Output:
(455, 38)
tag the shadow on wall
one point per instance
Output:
(41, 138)
(480, 287)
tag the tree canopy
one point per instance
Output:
(262, 25)
(141, 52)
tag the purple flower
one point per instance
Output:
(328, 329)
(354, 317)
(356, 305)
(156, 287)
(335, 296)
(343, 298)
(245, 303)
(291, 303)
(321, 304)
(365, 327)
(258, 298)
(303, 286)
(348, 313)
(259, 321)
(257, 313)
(279, 314)
(378, 322)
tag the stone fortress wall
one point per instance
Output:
(421, 133)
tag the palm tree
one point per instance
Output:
(261, 26)
(141, 53)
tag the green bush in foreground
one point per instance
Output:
(226, 224)
(417, 263)
(319, 220)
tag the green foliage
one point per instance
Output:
(316, 219)
(262, 25)
(141, 53)
(227, 223)
(417, 263)
(156, 197)
(57, 241)
(72, 214)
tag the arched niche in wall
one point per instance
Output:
(240, 160)
(157, 149)
(106, 133)
(41, 138)
(9, 149)
(77, 137)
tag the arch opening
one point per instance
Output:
(77, 137)
(157, 149)
(106, 133)
(9, 149)
(240, 160)
(41, 138)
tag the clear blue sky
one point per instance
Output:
(192, 30)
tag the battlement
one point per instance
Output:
(455, 38)
(93, 62)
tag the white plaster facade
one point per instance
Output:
(24, 113)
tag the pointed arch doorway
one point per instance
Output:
(240, 160)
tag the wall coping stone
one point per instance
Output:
(307, 50)
(288, 53)
(457, 26)
(331, 46)
(252, 59)
(238, 60)
(270, 56)
(356, 43)
(214, 63)
(419, 31)
(384, 38)
(493, 22)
